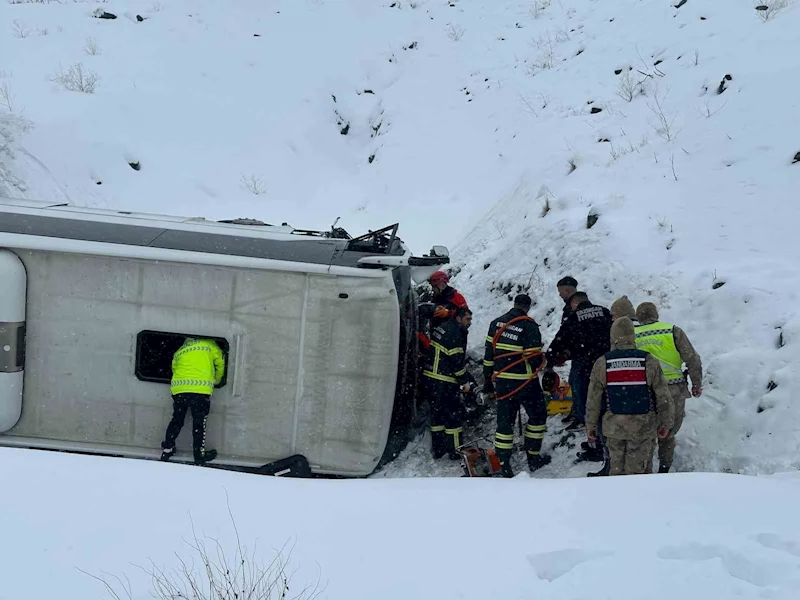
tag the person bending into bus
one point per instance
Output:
(197, 367)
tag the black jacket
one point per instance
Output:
(585, 336)
(446, 360)
(522, 335)
(566, 312)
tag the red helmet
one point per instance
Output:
(439, 277)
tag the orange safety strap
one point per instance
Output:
(524, 356)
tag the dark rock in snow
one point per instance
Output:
(771, 386)
(139, 18)
(256, 35)
(681, 3)
(596, 110)
(717, 284)
(723, 85)
(591, 219)
(135, 165)
(99, 182)
(486, 266)
(371, 158)
(101, 14)
(762, 7)
(617, 71)
(796, 158)
(604, 141)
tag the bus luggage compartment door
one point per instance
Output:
(12, 337)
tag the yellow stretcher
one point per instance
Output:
(559, 402)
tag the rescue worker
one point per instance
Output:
(621, 307)
(629, 393)
(567, 287)
(670, 345)
(197, 366)
(445, 369)
(446, 298)
(511, 363)
(584, 336)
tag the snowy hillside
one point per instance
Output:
(493, 126)
(692, 536)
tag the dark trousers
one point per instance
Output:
(579, 380)
(531, 399)
(200, 405)
(447, 416)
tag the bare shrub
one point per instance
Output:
(769, 9)
(254, 184)
(663, 124)
(232, 574)
(629, 88)
(6, 97)
(91, 48)
(19, 30)
(455, 32)
(77, 79)
(537, 8)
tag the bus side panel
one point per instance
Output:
(84, 314)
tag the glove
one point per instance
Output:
(663, 432)
(467, 387)
(441, 313)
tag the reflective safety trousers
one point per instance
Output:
(197, 367)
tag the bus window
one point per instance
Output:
(154, 350)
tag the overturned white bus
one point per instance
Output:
(318, 329)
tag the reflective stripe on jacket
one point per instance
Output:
(657, 339)
(197, 367)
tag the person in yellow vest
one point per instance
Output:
(670, 345)
(197, 367)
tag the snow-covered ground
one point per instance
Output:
(693, 536)
(493, 126)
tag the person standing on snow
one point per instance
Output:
(584, 336)
(621, 307)
(197, 367)
(568, 287)
(511, 363)
(445, 370)
(670, 345)
(629, 393)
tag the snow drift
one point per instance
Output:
(691, 536)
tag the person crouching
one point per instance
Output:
(628, 391)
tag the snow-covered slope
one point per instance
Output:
(464, 120)
(692, 536)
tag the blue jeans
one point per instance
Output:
(579, 380)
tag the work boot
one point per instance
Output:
(538, 461)
(663, 468)
(166, 453)
(438, 447)
(201, 458)
(591, 455)
(505, 469)
(585, 446)
(602, 472)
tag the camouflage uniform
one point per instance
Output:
(647, 314)
(630, 437)
(622, 307)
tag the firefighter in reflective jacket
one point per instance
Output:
(197, 367)
(445, 370)
(628, 392)
(511, 364)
